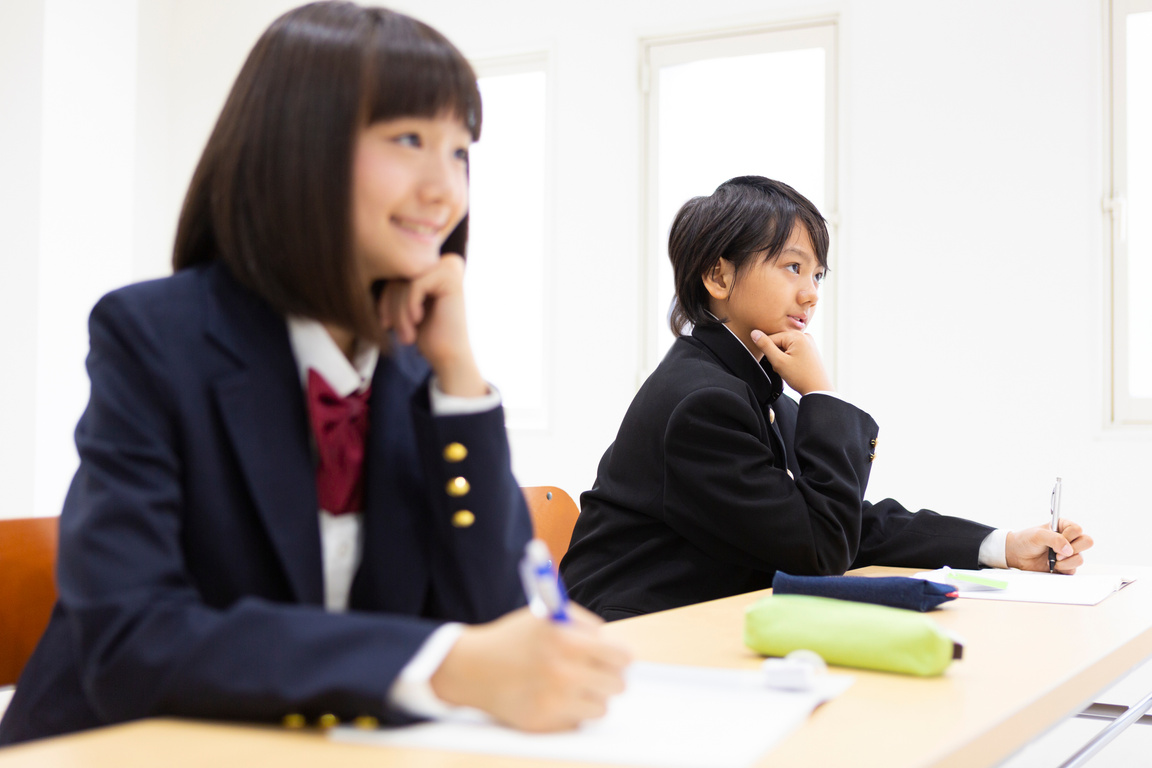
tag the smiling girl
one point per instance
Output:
(717, 480)
(294, 498)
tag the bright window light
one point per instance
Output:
(762, 103)
(747, 115)
(505, 275)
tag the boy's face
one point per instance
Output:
(775, 295)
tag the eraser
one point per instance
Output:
(795, 672)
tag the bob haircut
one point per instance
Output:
(746, 217)
(271, 196)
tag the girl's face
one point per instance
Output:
(409, 191)
(776, 295)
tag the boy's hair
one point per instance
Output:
(746, 217)
(271, 196)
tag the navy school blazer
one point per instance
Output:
(716, 481)
(189, 572)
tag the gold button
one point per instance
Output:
(873, 442)
(366, 722)
(790, 474)
(463, 518)
(455, 452)
(457, 487)
(771, 416)
(294, 721)
(328, 721)
(871, 457)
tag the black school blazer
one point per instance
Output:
(190, 577)
(716, 481)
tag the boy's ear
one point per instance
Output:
(718, 280)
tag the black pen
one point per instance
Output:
(1055, 524)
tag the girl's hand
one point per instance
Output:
(428, 311)
(1028, 549)
(794, 356)
(534, 674)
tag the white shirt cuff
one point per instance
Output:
(454, 405)
(993, 550)
(412, 691)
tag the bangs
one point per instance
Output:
(776, 234)
(414, 71)
(770, 214)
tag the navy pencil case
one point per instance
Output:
(894, 591)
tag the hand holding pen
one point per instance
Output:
(1055, 547)
(536, 672)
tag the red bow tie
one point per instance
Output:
(340, 425)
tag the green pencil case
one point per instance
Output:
(849, 634)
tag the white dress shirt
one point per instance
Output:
(341, 536)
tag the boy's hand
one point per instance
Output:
(428, 311)
(794, 356)
(534, 674)
(1028, 549)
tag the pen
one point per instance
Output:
(542, 583)
(1055, 524)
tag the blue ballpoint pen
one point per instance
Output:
(1055, 505)
(542, 583)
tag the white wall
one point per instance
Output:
(971, 273)
(86, 210)
(973, 310)
(21, 72)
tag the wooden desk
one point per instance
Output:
(1025, 668)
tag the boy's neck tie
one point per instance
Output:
(340, 426)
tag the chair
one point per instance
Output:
(27, 589)
(554, 514)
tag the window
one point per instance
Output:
(508, 243)
(1128, 206)
(756, 103)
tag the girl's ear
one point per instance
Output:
(718, 280)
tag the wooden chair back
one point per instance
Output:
(554, 515)
(27, 589)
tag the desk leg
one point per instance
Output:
(1100, 711)
(1102, 739)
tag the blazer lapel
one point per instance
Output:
(766, 384)
(393, 571)
(263, 407)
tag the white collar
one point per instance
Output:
(314, 349)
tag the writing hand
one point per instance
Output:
(534, 674)
(1028, 549)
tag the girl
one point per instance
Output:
(282, 507)
(716, 480)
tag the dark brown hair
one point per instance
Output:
(271, 196)
(745, 217)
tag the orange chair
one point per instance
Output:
(27, 589)
(554, 515)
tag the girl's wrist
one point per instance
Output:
(462, 379)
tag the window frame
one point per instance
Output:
(1123, 409)
(656, 52)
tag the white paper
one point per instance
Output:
(669, 716)
(1038, 587)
